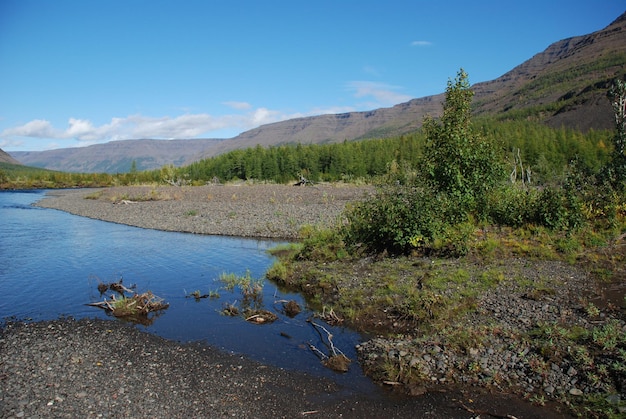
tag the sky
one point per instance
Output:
(75, 73)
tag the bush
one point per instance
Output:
(559, 209)
(324, 245)
(511, 205)
(399, 219)
(454, 240)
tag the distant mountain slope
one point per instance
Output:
(379, 123)
(565, 85)
(116, 156)
(6, 158)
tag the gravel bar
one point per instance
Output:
(266, 210)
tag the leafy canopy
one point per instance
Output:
(458, 160)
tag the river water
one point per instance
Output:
(51, 263)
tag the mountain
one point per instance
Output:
(379, 123)
(6, 158)
(117, 156)
(565, 85)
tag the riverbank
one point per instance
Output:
(108, 369)
(263, 210)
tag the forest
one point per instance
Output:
(544, 150)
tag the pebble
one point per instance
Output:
(575, 392)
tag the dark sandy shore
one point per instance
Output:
(96, 368)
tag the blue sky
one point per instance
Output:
(77, 72)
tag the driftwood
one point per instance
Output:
(330, 317)
(260, 316)
(336, 360)
(135, 305)
(303, 182)
(114, 286)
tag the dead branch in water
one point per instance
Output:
(337, 360)
(260, 316)
(330, 317)
(114, 286)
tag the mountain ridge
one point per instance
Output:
(564, 85)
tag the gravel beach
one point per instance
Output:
(97, 368)
(107, 369)
(265, 210)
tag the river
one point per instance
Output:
(51, 263)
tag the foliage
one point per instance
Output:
(459, 167)
(14, 176)
(458, 161)
(615, 170)
(464, 181)
(322, 244)
(397, 219)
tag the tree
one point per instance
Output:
(457, 159)
(617, 166)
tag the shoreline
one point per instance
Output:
(106, 368)
(67, 368)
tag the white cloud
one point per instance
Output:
(79, 128)
(421, 43)
(84, 132)
(237, 105)
(139, 126)
(383, 93)
(263, 116)
(35, 128)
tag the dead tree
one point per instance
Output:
(524, 175)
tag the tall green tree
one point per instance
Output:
(458, 160)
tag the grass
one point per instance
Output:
(251, 289)
(431, 299)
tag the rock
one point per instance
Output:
(575, 392)
(613, 399)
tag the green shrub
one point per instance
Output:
(277, 272)
(398, 219)
(324, 245)
(559, 209)
(454, 240)
(511, 205)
